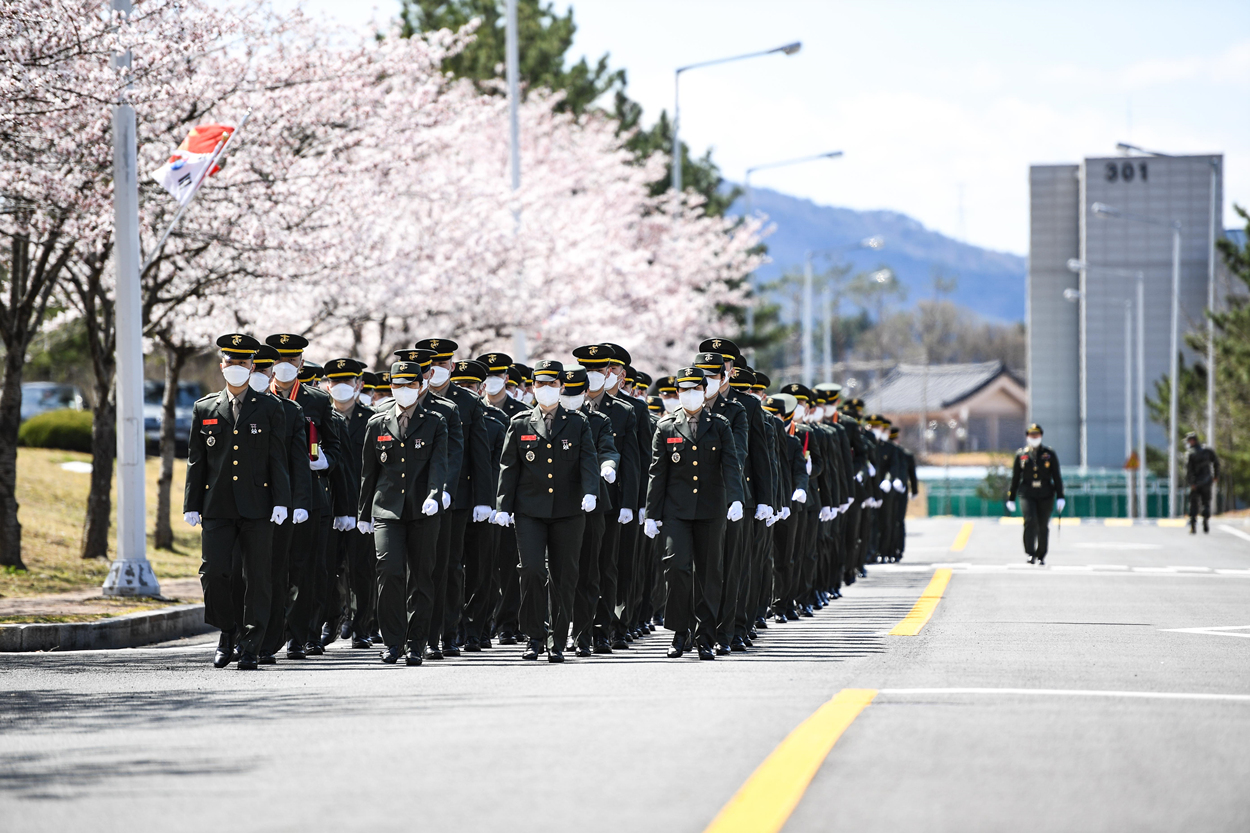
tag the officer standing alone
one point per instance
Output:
(1202, 470)
(1035, 478)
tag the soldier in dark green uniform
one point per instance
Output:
(477, 596)
(403, 471)
(238, 487)
(509, 607)
(691, 503)
(548, 481)
(1202, 470)
(1035, 478)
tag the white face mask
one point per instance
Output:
(405, 395)
(819, 413)
(236, 375)
(528, 397)
(671, 403)
(343, 391)
(285, 372)
(365, 399)
(440, 377)
(494, 384)
(1033, 442)
(614, 379)
(573, 402)
(692, 399)
(594, 380)
(258, 382)
(799, 410)
(713, 387)
(547, 395)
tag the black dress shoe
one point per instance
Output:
(627, 636)
(1032, 559)
(267, 659)
(1206, 526)
(747, 641)
(678, 647)
(450, 649)
(225, 650)
(376, 637)
(507, 638)
(472, 646)
(247, 661)
(806, 610)
(705, 652)
(391, 655)
(602, 646)
(555, 656)
(314, 649)
(780, 619)
(432, 652)
(619, 644)
(327, 634)
(722, 650)
(357, 642)
(863, 572)
(738, 644)
(295, 651)
(792, 615)
(412, 658)
(752, 633)
(532, 650)
(584, 651)
(345, 630)
(761, 623)
(484, 643)
(1041, 559)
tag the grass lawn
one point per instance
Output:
(53, 503)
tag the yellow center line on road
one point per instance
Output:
(961, 540)
(769, 796)
(919, 615)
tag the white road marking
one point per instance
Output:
(1114, 545)
(1066, 692)
(1051, 569)
(1191, 569)
(1224, 631)
(1234, 531)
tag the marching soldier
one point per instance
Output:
(1036, 479)
(691, 504)
(548, 481)
(238, 488)
(403, 472)
(476, 594)
(507, 614)
(1202, 470)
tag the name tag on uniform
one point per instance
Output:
(528, 438)
(209, 422)
(672, 440)
(1037, 484)
(385, 438)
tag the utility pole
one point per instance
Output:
(130, 574)
(519, 346)
(808, 358)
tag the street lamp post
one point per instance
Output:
(788, 49)
(513, 72)
(1104, 210)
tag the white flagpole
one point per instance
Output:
(218, 152)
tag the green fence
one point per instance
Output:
(1097, 494)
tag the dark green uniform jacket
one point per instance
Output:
(476, 484)
(605, 451)
(447, 409)
(758, 454)
(297, 454)
(353, 441)
(545, 474)
(1035, 474)
(237, 471)
(692, 478)
(399, 473)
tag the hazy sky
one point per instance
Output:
(930, 101)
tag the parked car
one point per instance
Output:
(153, 393)
(38, 397)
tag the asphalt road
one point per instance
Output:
(1085, 695)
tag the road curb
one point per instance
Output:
(126, 631)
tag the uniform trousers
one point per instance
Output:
(449, 576)
(627, 562)
(481, 582)
(405, 566)
(693, 552)
(255, 537)
(586, 598)
(549, 549)
(731, 578)
(1200, 502)
(805, 570)
(605, 610)
(362, 581)
(784, 539)
(509, 610)
(278, 582)
(308, 545)
(1036, 512)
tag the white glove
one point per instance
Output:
(642, 515)
(626, 516)
(446, 500)
(872, 470)
(344, 522)
(885, 485)
(321, 463)
(1011, 506)
(849, 501)
(192, 518)
(735, 511)
(772, 519)
(762, 511)
(608, 472)
(278, 516)
(809, 465)
(364, 527)
(300, 515)
(481, 513)
(1060, 503)
(823, 514)
(785, 512)
(502, 519)
(799, 496)
(491, 519)
(859, 477)
(430, 506)
(898, 486)
(650, 528)
(589, 502)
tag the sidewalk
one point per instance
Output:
(87, 602)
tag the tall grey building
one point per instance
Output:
(1062, 226)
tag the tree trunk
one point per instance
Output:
(174, 360)
(10, 418)
(95, 533)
